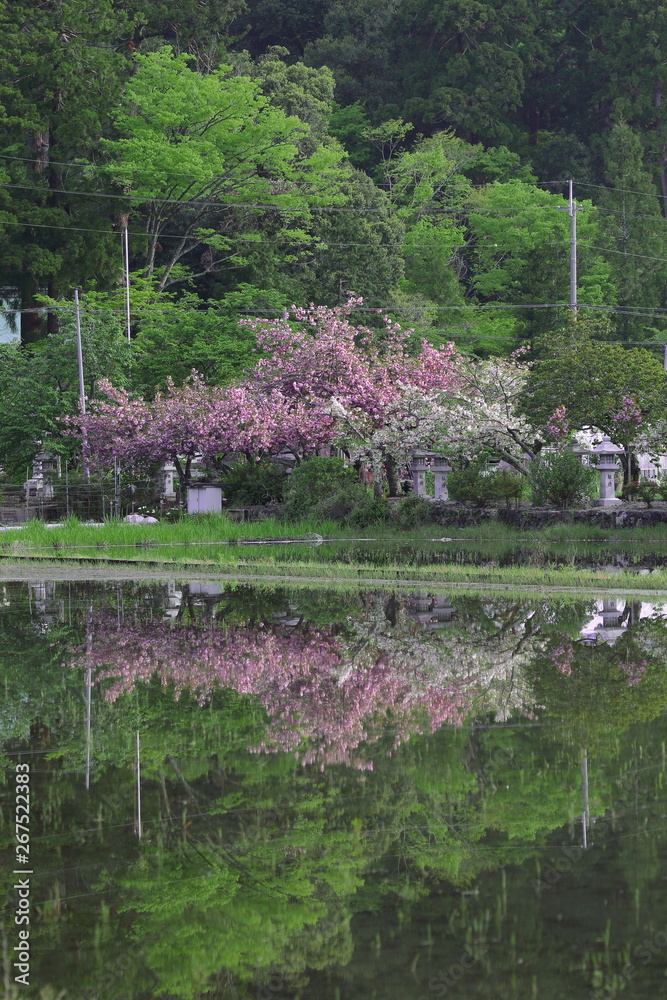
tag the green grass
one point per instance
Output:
(217, 545)
(218, 528)
(208, 529)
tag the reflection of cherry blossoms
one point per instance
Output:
(633, 671)
(311, 693)
(485, 657)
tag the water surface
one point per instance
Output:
(340, 794)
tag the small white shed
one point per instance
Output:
(204, 499)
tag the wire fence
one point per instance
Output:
(96, 500)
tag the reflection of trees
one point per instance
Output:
(602, 688)
(252, 864)
(484, 646)
(317, 689)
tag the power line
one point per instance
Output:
(657, 311)
(624, 253)
(270, 207)
(83, 164)
(323, 244)
(619, 190)
(102, 168)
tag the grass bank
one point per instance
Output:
(215, 529)
(276, 576)
(326, 551)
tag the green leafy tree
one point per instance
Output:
(59, 78)
(355, 42)
(198, 153)
(521, 241)
(616, 389)
(185, 334)
(358, 250)
(622, 86)
(200, 29)
(635, 227)
(265, 23)
(40, 385)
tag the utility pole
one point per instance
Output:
(82, 387)
(79, 354)
(572, 209)
(126, 268)
(139, 825)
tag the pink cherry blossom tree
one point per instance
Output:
(355, 375)
(322, 381)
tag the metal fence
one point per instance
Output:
(88, 501)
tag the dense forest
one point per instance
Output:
(259, 153)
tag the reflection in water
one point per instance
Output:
(424, 769)
(324, 691)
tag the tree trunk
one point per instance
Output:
(31, 322)
(392, 475)
(376, 465)
(662, 150)
(184, 479)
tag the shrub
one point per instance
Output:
(413, 511)
(647, 490)
(315, 480)
(372, 510)
(471, 484)
(474, 485)
(560, 479)
(507, 487)
(340, 504)
(354, 504)
(250, 483)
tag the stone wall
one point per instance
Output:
(627, 516)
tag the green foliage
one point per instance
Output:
(348, 124)
(647, 490)
(628, 679)
(354, 504)
(519, 235)
(248, 483)
(316, 480)
(479, 486)
(206, 140)
(592, 381)
(340, 505)
(50, 118)
(412, 511)
(40, 384)
(472, 484)
(187, 334)
(357, 250)
(635, 224)
(508, 487)
(560, 479)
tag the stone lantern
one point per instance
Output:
(45, 467)
(611, 627)
(423, 461)
(418, 467)
(441, 469)
(607, 465)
